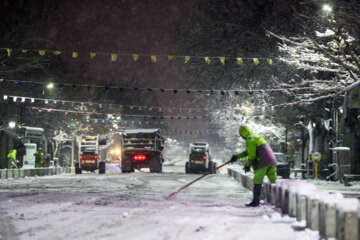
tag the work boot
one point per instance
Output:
(256, 196)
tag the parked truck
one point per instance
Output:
(89, 158)
(142, 148)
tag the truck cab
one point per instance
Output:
(142, 148)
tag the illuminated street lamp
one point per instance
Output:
(50, 86)
(327, 8)
(12, 124)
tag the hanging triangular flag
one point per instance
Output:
(14, 99)
(92, 55)
(135, 57)
(239, 61)
(187, 58)
(41, 52)
(207, 60)
(256, 61)
(269, 61)
(24, 50)
(56, 53)
(32, 100)
(222, 60)
(153, 58)
(170, 58)
(9, 51)
(75, 54)
(46, 101)
(113, 57)
(100, 105)
(22, 99)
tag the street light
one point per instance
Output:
(50, 86)
(12, 124)
(327, 8)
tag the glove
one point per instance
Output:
(246, 169)
(233, 159)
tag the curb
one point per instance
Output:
(331, 214)
(31, 172)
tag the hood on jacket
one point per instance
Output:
(245, 131)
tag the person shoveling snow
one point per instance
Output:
(260, 157)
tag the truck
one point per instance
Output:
(142, 148)
(199, 158)
(89, 158)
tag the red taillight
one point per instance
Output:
(81, 156)
(139, 157)
(204, 157)
(95, 156)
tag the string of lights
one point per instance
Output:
(174, 91)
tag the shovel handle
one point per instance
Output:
(197, 179)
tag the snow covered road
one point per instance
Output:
(132, 206)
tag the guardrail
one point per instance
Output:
(31, 172)
(329, 213)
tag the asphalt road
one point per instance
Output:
(133, 206)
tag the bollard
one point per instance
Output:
(29, 172)
(322, 216)
(3, 173)
(285, 185)
(237, 176)
(300, 207)
(292, 203)
(16, 173)
(268, 196)
(40, 171)
(264, 191)
(312, 213)
(278, 196)
(249, 182)
(243, 180)
(230, 172)
(273, 194)
(21, 173)
(346, 219)
(330, 219)
(10, 173)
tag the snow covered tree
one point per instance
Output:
(328, 50)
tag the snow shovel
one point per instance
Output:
(197, 179)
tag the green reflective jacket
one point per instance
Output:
(12, 154)
(252, 142)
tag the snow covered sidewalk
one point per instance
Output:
(325, 211)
